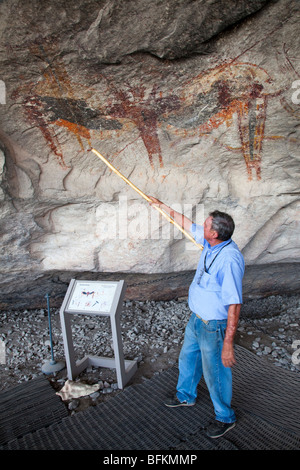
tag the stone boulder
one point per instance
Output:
(197, 103)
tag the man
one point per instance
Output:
(215, 298)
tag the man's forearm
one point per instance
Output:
(228, 357)
(181, 219)
(232, 322)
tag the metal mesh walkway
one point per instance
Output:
(266, 401)
(28, 407)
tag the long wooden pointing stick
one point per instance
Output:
(146, 197)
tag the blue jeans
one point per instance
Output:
(201, 355)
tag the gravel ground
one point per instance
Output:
(152, 333)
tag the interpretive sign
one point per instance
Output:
(103, 298)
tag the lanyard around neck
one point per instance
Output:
(207, 269)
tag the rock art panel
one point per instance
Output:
(230, 88)
(200, 105)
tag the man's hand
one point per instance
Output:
(228, 358)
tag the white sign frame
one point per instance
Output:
(80, 299)
(93, 297)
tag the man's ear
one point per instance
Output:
(215, 234)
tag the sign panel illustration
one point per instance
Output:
(92, 297)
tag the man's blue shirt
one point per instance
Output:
(218, 279)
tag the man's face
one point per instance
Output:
(210, 235)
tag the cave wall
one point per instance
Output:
(196, 102)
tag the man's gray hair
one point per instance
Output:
(223, 224)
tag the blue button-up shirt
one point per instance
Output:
(218, 279)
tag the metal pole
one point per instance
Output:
(51, 366)
(50, 330)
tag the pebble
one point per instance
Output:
(73, 404)
(267, 350)
(101, 384)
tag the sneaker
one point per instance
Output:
(174, 402)
(218, 429)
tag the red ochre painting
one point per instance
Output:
(198, 106)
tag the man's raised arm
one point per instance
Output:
(181, 219)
